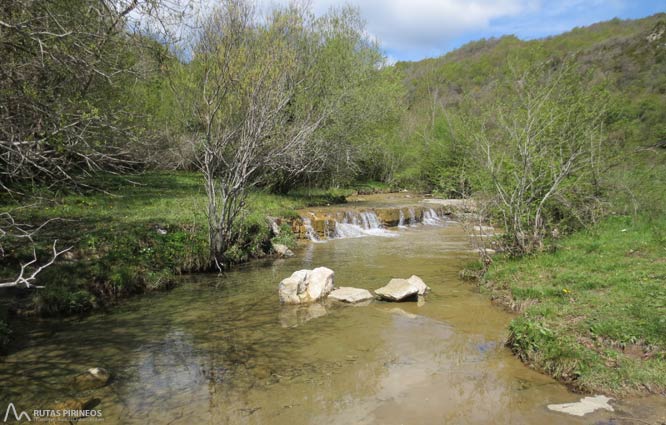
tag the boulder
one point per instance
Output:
(95, 377)
(350, 295)
(319, 283)
(305, 286)
(282, 251)
(400, 289)
(419, 283)
(388, 216)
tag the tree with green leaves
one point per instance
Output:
(266, 99)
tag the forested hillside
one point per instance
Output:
(624, 60)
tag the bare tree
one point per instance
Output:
(65, 65)
(539, 142)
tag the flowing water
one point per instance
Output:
(222, 350)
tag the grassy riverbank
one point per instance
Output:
(130, 235)
(593, 311)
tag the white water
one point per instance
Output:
(352, 224)
(357, 225)
(401, 223)
(309, 231)
(431, 218)
(412, 217)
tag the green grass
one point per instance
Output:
(118, 239)
(596, 307)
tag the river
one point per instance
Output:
(222, 350)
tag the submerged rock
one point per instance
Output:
(95, 377)
(305, 286)
(584, 406)
(350, 295)
(71, 410)
(75, 404)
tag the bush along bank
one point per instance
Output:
(129, 236)
(593, 310)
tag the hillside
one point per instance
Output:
(626, 57)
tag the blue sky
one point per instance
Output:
(416, 29)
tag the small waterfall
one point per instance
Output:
(327, 229)
(371, 221)
(401, 223)
(309, 230)
(412, 217)
(356, 225)
(430, 217)
(348, 230)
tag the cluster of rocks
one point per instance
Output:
(306, 286)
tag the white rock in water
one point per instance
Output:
(305, 286)
(419, 284)
(291, 287)
(320, 283)
(397, 290)
(350, 295)
(584, 406)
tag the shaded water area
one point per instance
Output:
(222, 350)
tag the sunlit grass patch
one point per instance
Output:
(134, 233)
(600, 320)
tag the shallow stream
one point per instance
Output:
(222, 350)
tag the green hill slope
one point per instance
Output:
(627, 56)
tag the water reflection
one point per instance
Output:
(292, 316)
(221, 350)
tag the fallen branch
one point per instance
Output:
(27, 281)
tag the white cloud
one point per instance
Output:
(429, 24)
(426, 25)
(413, 29)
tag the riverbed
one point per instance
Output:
(220, 349)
